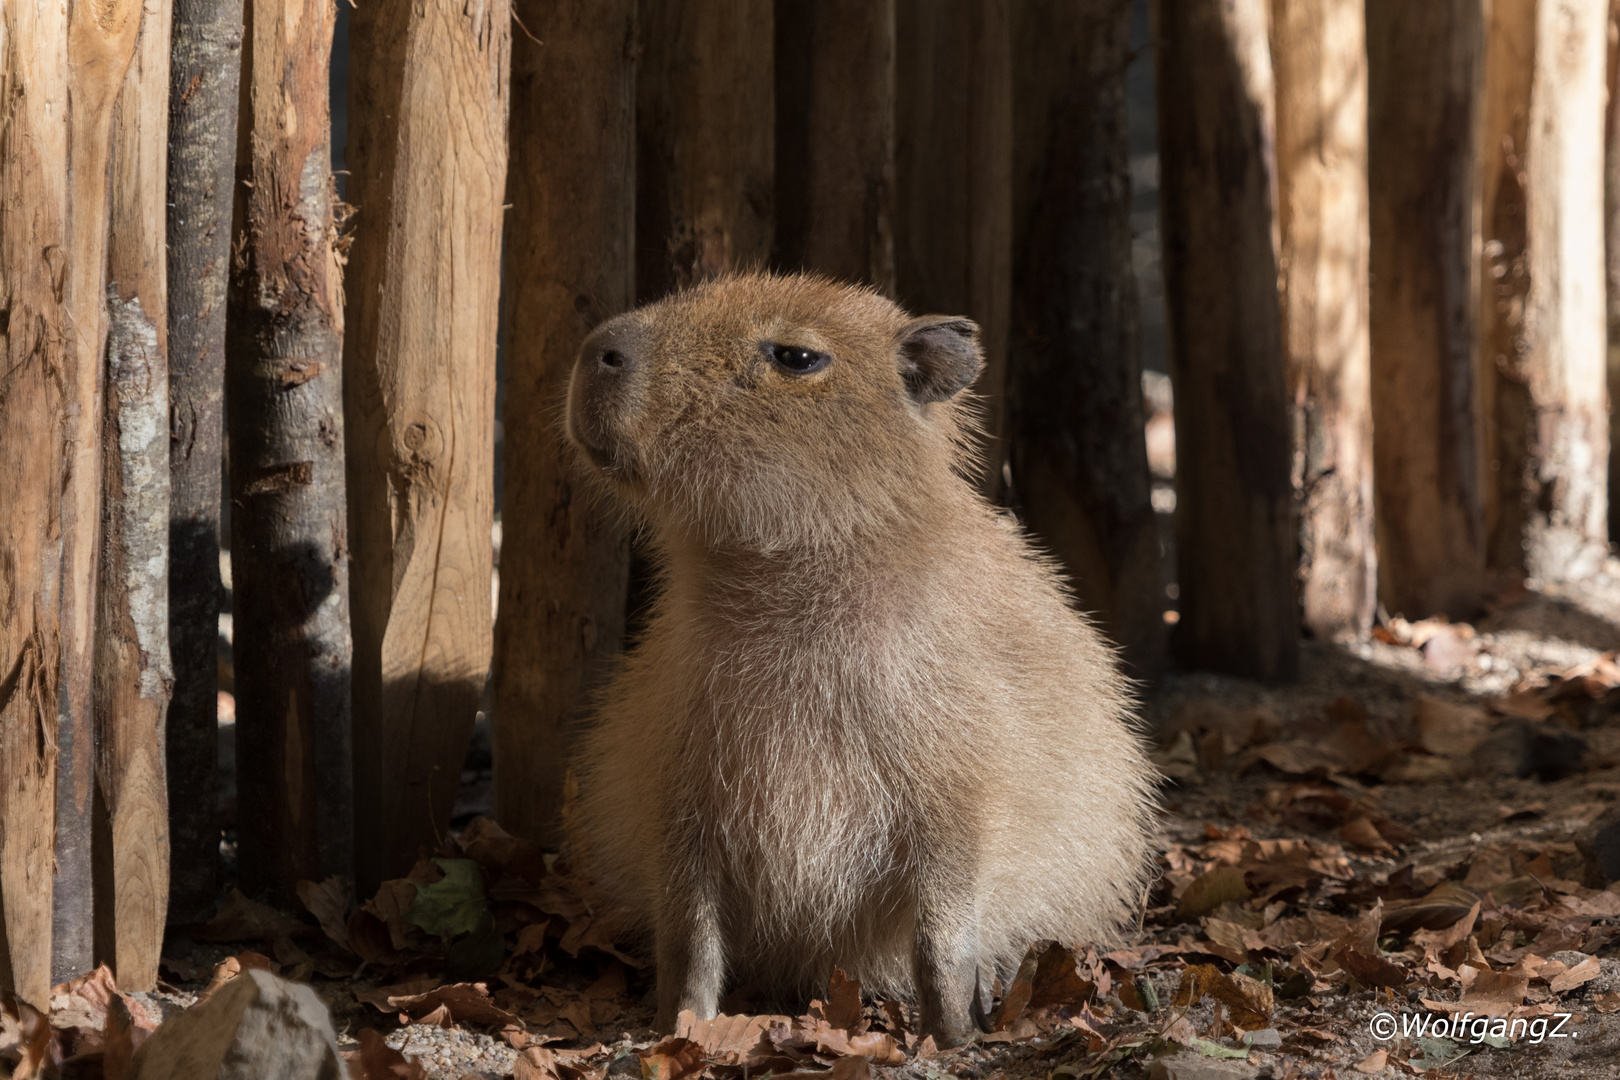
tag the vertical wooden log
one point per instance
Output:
(34, 341)
(427, 161)
(1423, 65)
(570, 264)
(835, 64)
(204, 84)
(1074, 375)
(705, 124)
(953, 181)
(1542, 318)
(133, 677)
(1319, 58)
(284, 396)
(101, 43)
(1611, 239)
(1236, 540)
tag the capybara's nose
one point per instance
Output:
(615, 362)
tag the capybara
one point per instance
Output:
(863, 726)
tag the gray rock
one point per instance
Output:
(255, 1027)
(1194, 1066)
(1265, 1039)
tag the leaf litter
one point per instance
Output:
(1408, 832)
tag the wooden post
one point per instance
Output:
(1319, 58)
(101, 43)
(1423, 65)
(289, 543)
(1542, 316)
(1074, 375)
(427, 163)
(953, 181)
(34, 341)
(835, 64)
(133, 677)
(569, 243)
(1236, 540)
(204, 85)
(705, 123)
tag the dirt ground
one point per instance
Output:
(1412, 832)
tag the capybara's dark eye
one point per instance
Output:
(797, 360)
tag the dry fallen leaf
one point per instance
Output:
(672, 1059)
(328, 901)
(1210, 891)
(1581, 973)
(1249, 1000)
(1373, 1062)
(379, 1061)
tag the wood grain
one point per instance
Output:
(570, 242)
(33, 410)
(133, 677)
(953, 176)
(284, 398)
(1235, 527)
(1074, 372)
(427, 158)
(1423, 99)
(1319, 59)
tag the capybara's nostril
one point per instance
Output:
(614, 360)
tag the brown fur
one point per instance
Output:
(863, 726)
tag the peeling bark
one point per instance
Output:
(289, 543)
(204, 84)
(427, 157)
(34, 343)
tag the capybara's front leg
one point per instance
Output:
(945, 962)
(691, 957)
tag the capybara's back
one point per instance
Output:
(863, 725)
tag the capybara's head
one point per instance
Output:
(771, 412)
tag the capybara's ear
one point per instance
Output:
(939, 356)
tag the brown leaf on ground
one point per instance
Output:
(128, 1025)
(1443, 906)
(379, 1061)
(1210, 891)
(1487, 993)
(1373, 1062)
(729, 1039)
(672, 1059)
(29, 1048)
(540, 1063)
(1448, 729)
(241, 919)
(1365, 835)
(79, 1010)
(1582, 973)
(1250, 1000)
(1607, 1004)
(467, 1003)
(1047, 977)
(492, 847)
(843, 1007)
(328, 901)
(232, 966)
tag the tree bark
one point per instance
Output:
(427, 157)
(570, 264)
(953, 182)
(1423, 63)
(289, 544)
(1236, 538)
(101, 43)
(835, 68)
(705, 118)
(1543, 320)
(1319, 58)
(204, 84)
(133, 677)
(34, 342)
(1074, 378)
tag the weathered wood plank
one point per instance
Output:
(204, 86)
(1424, 82)
(284, 397)
(1319, 58)
(570, 264)
(34, 342)
(427, 161)
(133, 676)
(1236, 537)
